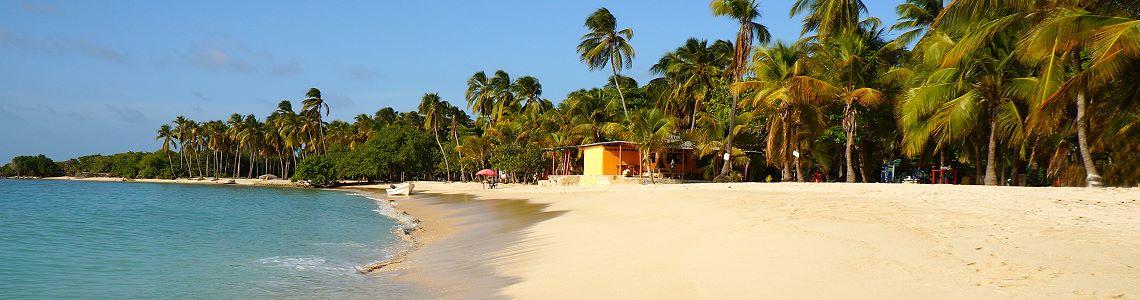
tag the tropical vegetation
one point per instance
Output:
(1040, 92)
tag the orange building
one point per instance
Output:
(613, 158)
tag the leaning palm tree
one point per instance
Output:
(605, 45)
(744, 12)
(1060, 45)
(313, 106)
(166, 134)
(432, 109)
(456, 116)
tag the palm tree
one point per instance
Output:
(915, 17)
(967, 101)
(605, 45)
(790, 96)
(167, 135)
(528, 90)
(457, 116)
(744, 12)
(502, 91)
(1058, 45)
(860, 61)
(651, 129)
(313, 104)
(829, 18)
(237, 125)
(692, 71)
(588, 115)
(432, 108)
(251, 136)
(480, 94)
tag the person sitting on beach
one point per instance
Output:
(626, 172)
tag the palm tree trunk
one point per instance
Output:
(237, 162)
(170, 163)
(724, 170)
(1014, 165)
(181, 158)
(199, 159)
(799, 171)
(1092, 177)
(613, 66)
(446, 164)
(693, 119)
(455, 137)
(849, 127)
(786, 172)
(862, 166)
(978, 169)
(991, 155)
(252, 161)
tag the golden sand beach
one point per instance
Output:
(786, 240)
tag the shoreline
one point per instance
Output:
(781, 240)
(458, 238)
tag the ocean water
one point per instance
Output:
(110, 240)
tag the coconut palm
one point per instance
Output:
(1058, 45)
(859, 61)
(505, 101)
(745, 12)
(915, 17)
(529, 91)
(791, 99)
(588, 115)
(236, 125)
(458, 118)
(692, 71)
(432, 108)
(829, 18)
(312, 107)
(974, 100)
(166, 134)
(480, 95)
(651, 130)
(251, 136)
(606, 45)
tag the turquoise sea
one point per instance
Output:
(110, 240)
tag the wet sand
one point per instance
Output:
(460, 239)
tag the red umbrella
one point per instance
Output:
(486, 172)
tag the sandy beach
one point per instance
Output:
(768, 240)
(787, 240)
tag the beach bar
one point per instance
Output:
(620, 162)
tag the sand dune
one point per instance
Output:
(863, 241)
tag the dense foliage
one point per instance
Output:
(32, 166)
(1000, 91)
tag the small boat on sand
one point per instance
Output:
(401, 189)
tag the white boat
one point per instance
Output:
(401, 190)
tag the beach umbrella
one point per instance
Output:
(486, 172)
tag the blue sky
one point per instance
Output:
(85, 77)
